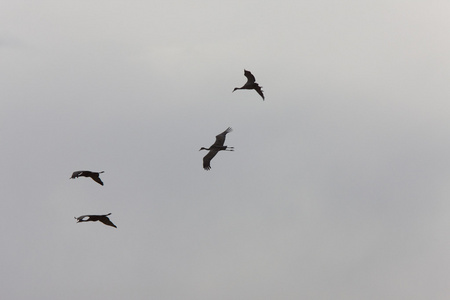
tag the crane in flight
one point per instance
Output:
(215, 148)
(93, 218)
(94, 175)
(251, 84)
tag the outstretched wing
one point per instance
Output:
(207, 159)
(250, 77)
(96, 178)
(259, 90)
(105, 220)
(220, 138)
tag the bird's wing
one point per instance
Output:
(220, 138)
(105, 220)
(250, 77)
(96, 178)
(259, 90)
(207, 159)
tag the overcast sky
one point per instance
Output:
(338, 187)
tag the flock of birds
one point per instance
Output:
(213, 150)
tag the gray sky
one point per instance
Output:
(338, 188)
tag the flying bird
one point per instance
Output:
(93, 218)
(94, 175)
(251, 84)
(216, 147)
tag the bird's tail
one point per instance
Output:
(101, 172)
(108, 214)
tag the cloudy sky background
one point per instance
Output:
(338, 187)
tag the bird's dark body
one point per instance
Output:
(94, 175)
(94, 218)
(251, 84)
(218, 148)
(215, 148)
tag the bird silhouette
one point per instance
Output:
(251, 84)
(94, 175)
(93, 218)
(216, 147)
